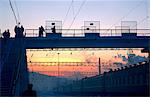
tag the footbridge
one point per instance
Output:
(76, 38)
(13, 61)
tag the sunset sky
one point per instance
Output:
(110, 13)
(46, 61)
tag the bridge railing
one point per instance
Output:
(81, 32)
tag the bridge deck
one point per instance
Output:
(90, 40)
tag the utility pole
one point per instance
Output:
(58, 64)
(58, 75)
(99, 66)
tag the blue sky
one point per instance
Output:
(34, 13)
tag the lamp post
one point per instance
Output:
(58, 74)
(58, 64)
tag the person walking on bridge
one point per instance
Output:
(41, 30)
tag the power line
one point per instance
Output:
(17, 11)
(147, 12)
(127, 14)
(67, 12)
(73, 9)
(142, 20)
(77, 13)
(13, 10)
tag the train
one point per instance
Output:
(126, 81)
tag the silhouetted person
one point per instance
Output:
(6, 34)
(19, 30)
(22, 30)
(53, 29)
(29, 92)
(41, 30)
(16, 31)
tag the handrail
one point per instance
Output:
(17, 67)
(16, 70)
(12, 80)
(81, 32)
(15, 75)
(93, 29)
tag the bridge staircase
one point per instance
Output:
(13, 68)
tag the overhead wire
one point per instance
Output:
(129, 12)
(147, 12)
(77, 14)
(15, 3)
(141, 21)
(73, 9)
(65, 18)
(11, 6)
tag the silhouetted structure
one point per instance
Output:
(12, 61)
(41, 30)
(14, 75)
(128, 81)
(29, 92)
(19, 29)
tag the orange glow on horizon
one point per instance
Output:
(53, 58)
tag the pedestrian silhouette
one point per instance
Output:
(29, 92)
(53, 29)
(6, 34)
(41, 30)
(22, 30)
(19, 31)
(40, 34)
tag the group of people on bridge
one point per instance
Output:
(41, 30)
(19, 29)
(6, 34)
